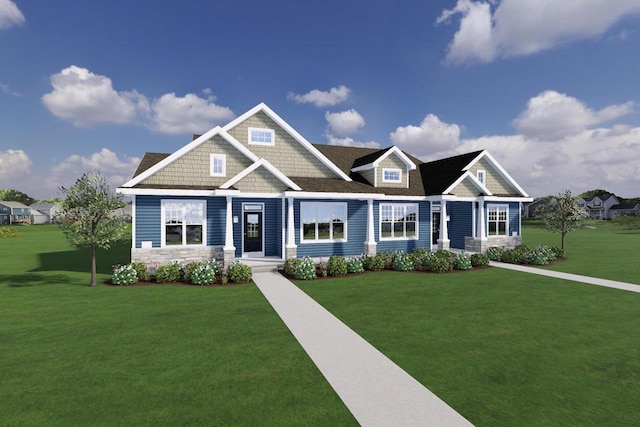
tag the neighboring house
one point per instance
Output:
(606, 206)
(44, 213)
(257, 188)
(625, 209)
(529, 209)
(14, 213)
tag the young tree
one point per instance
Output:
(87, 215)
(562, 214)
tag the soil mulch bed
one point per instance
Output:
(424, 270)
(181, 283)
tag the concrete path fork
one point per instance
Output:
(376, 390)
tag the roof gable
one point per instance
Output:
(372, 160)
(269, 167)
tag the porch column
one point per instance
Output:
(482, 234)
(229, 249)
(291, 248)
(370, 244)
(443, 241)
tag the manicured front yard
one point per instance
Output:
(502, 348)
(153, 355)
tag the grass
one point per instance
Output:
(605, 251)
(155, 355)
(502, 348)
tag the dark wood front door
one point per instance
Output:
(253, 231)
(435, 227)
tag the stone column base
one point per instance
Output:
(370, 248)
(229, 255)
(444, 244)
(290, 252)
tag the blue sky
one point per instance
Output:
(551, 89)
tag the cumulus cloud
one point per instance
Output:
(87, 99)
(10, 15)
(430, 137)
(493, 29)
(14, 164)
(350, 142)
(345, 122)
(552, 115)
(320, 98)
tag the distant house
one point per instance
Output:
(625, 209)
(43, 213)
(606, 206)
(14, 213)
(529, 209)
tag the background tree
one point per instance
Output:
(87, 216)
(562, 214)
(11, 195)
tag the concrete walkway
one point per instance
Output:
(568, 276)
(374, 389)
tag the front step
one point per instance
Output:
(259, 265)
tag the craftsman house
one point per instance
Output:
(257, 188)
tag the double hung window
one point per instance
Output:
(183, 222)
(498, 218)
(323, 221)
(398, 221)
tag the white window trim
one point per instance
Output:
(396, 181)
(506, 228)
(163, 228)
(222, 157)
(482, 173)
(305, 241)
(393, 205)
(270, 131)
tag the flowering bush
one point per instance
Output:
(421, 257)
(462, 261)
(124, 275)
(239, 272)
(141, 271)
(305, 269)
(386, 258)
(337, 265)
(203, 274)
(479, 260)
(214, 265)
(354, 265)
(558, 252)
(513, 256)
(190, 268)
(402, 261)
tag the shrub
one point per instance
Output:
(290, 266)
(445, 253)
(402, 261)
(385, 258)
(558, 252)
(336, 266)
(440, 264)
(214, 265)
(305, 269)
(354, 265)
(124, 275)
(6, 233)
(513, 256)
(374, 262)
(239, 272)
(168, 273)
(202, 274)
(495, 253)
(141, 271)
(479, 260)
(190, 268)
(462, 261)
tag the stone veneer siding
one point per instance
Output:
(184, 254)
(477, 245)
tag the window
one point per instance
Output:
(183, 222)
(218, 165)
(261, 136)
(480, 175)
(398, 221)
(323, 221)
(391, 175)
(497, 218)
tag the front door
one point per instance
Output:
(253, 233)
(435, 227)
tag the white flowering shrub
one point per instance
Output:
(124, 275)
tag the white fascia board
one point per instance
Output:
(349, 196)
(500, 170)
(507, 199)
(399, 153)
(291, 131)
(474, 180)
(265, 163)
(363, 167)
(164, 192)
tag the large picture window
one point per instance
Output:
(399, 221)
(498, 219)
(183, 222)
(323, 221)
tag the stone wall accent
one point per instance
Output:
(472, 244)
(392, 162)
(287, 154)
(193, 168)
(493, 181)
(183, 254)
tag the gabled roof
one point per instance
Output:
(43, 206)
(268, 166)
(372, 160)
(148, 160)
(624, 206)
(437, 176)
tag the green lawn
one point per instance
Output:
(502, 348)
(606, 251)
(154, 355)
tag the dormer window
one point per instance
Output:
(391, 175)
(261, 136)
(481, 176)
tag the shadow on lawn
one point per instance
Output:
(39, 279)
(79, 260)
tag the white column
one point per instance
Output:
(481, 223)
(228, 237)
(291, 237)
(474, 218)
(371, 239)
(444, 232)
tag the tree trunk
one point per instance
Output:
(562, 244)
(93, 266)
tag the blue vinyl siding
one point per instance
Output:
(424, 229)
(356, 232)
(514, 218)
(216, 220)
(460, 223)
(272, 217)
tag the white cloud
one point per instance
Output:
(190, 113)
(523, 27)
(321, 99)
(6, 89)
(350, 142)
(345, 122)
(86, 99)
(10, 15)
(13, 164)
(552, 115)
(431, 137)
